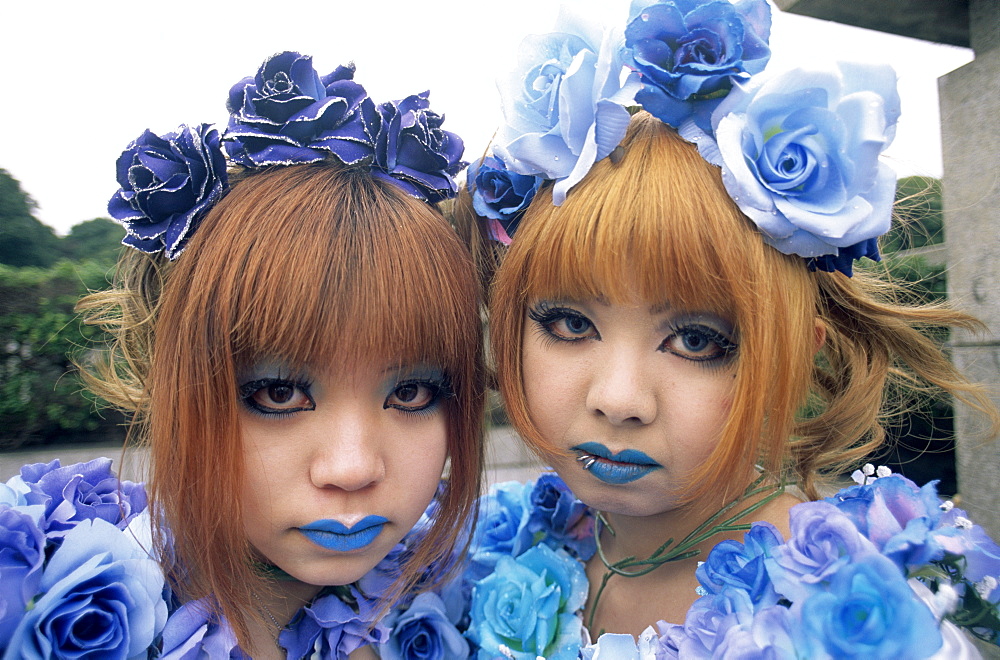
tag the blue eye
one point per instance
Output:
(563, 323)
(699, 343)
(276, 396)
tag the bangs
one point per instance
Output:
(623, 234)
(351, 272)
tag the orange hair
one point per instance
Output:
(307, 263)
(662, 213)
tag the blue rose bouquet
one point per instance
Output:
(76, 577)
(882, 569)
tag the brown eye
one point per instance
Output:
(413, 396)
(280, 393)
(272, 396)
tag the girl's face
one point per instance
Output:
(340, 464)
(636, 394)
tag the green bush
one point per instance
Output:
(42, 399)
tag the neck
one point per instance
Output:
(277, 606)
(637, 546)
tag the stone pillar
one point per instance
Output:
(970, 135)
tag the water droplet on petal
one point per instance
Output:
(855, 207)
(736, 198)
(644, 17)
(774, 212)
(555, 158)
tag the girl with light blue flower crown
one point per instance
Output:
(297, 336)
(679, 331)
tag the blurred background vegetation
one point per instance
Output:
(42, 400)
(41, 277)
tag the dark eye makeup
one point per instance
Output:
(562, 323)
(277, 396)
(418, 395)
(689, 338)
(699, 343)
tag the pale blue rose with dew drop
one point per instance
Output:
(101, 597)
(527, 608)
(800, 156)
(565, 104)
(867, 611)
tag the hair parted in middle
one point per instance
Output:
(307, 264)
(658, 226)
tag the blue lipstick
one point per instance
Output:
(334, 535)
(624, 467)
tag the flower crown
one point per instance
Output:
(799, 151)
(285, 115)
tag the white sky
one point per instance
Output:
(85, 78)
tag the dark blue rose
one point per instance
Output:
(167, 183)
(424, 630)
(333, 629)
(563, 519)
(22, 552)
(500, 195)
(741, 565)
(288, 113)
(84, 491)
(689, 52)
(415, 151)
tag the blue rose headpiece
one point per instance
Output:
(799, 151)
(284, 115)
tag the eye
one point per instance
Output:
(416, 395)
(563, 323)
(276, 396)
(699, 343)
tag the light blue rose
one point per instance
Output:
(501, 529)
(565, 104)
(823, 540)
(708, 622)
(22, 553)
(192, 633)
(741, 565)
(423, 631)
(102, 598)
(800, 156)
(868, 611)
(529, 605)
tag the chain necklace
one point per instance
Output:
(267, 612)
(683, 550)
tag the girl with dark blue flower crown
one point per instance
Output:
(300, 346)
(676, 332)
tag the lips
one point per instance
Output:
(624, 467)
(335, 535)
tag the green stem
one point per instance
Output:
(682, 550)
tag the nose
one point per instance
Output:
(349, 457)
(621, 391)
